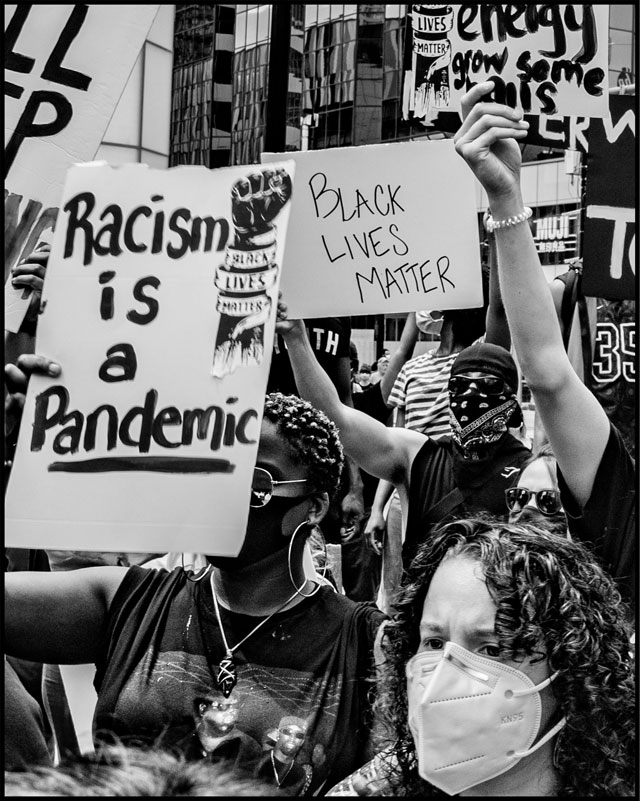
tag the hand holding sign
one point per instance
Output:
(29, 274)
(256, 201)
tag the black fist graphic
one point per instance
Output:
(256, 201)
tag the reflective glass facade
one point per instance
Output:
(201, 104)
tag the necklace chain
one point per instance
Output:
(229, 650)
(275, 770)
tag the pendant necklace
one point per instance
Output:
(275, 770)
(226, 677)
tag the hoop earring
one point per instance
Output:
(324, 572)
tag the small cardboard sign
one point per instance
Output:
(65, 69)
(380, 229)
(544, 59)
(160, 301)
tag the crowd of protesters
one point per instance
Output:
(499, 660)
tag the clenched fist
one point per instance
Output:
(256, 201)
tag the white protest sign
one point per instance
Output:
(544, 59)
(65, 69)
(160, 305)
(380, 229)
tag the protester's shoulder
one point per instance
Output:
(338, 324)
(138, 579)
(363, 612)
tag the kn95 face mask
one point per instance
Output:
(471, 717)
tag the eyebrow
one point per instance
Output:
(435, 629)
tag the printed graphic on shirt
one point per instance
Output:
(277, 722)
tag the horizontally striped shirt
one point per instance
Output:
(421, 391)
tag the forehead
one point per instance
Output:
(536, 476)
(458, 598)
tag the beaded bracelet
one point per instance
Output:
(492, 225)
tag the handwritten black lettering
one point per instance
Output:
(121, 364)
(52, 418)
(116, 236)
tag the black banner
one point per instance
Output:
(608, 246)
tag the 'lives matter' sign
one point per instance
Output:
(65, 69)
(544, 59)
(160, 301)
(380, 229)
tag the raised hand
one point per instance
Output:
(29, 274)
(257, 200)
(284, 325)
(487, 141)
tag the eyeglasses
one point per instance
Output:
(298, 735)
(487, 384)
(263, 487)
(547, 500)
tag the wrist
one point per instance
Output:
(506, 204)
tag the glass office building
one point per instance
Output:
(257, 77)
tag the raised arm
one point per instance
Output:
(384, 452)
(58, 618)
(401, 354)
(576, 425)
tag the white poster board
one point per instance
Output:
(544, 59)
(65, 69)
(160, 304)
(380, 229)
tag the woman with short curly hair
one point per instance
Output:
(209, 661)
(484, 604)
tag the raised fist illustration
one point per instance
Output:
(255, 202)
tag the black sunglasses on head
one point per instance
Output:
(547, 500)
(263, 488)
(487, 384)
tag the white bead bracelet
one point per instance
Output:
(492, 225)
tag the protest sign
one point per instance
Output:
(609, 269)
(65, 69)
(160, 302)
(380, 229)
(543, 59)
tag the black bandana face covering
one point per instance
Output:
(478, 421)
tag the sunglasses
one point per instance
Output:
(298, 735)
(548, 500)
(488, 384)
(263, 488)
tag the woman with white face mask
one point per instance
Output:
(507, 672)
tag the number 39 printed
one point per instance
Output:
(614, 352)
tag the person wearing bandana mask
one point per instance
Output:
(436, 479)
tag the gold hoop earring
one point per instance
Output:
(324, 572)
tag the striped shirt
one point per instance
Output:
(421, 391)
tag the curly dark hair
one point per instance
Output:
(551, 597)
(313, 438)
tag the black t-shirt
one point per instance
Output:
(329, 338)
(607, 522)
(313, 661)
(444, 486)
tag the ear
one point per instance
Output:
(318, 507)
